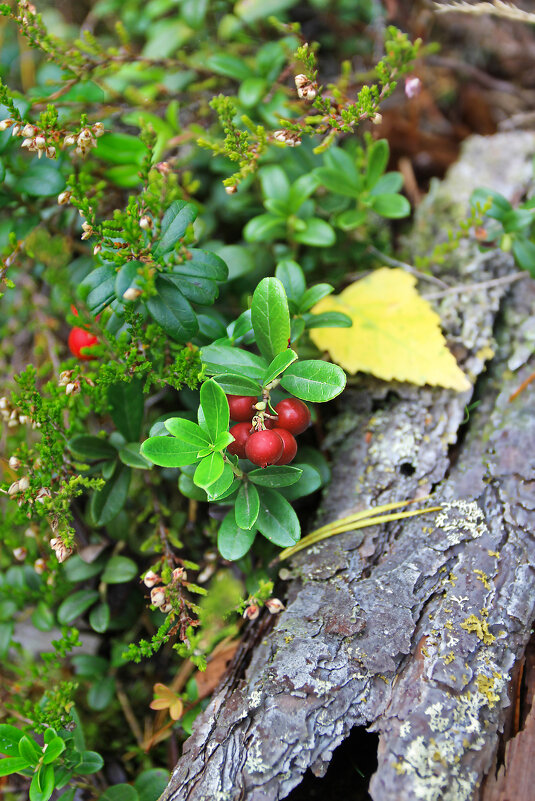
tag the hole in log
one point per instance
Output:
(349, 773)
(406, 469)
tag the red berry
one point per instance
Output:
(264, 447)
(241, 407)
(294, 415)
(241, 433)
(78, 339)
(289, 443)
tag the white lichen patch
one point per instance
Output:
(400, 446)
(461, 520)
(437, 722)
(425, 761)
(255, 699)
(254, 762)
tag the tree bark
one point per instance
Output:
(411, 628)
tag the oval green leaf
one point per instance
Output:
(314, 380)
(232, 541)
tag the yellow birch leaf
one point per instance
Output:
(395, 334)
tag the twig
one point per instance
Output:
(506, 279)
(129, 715)
(522, 387)
(407, 267)
(497, 7)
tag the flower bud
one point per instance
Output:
(72, 388)
(16, 131)
(166, 608)
(413, 86)
(65, 377)
(287, 138)
(51, 152)
(98, 129)
(24, 483)
(5, 124)
(274, 605)
(231, 189)
(20, 554)
(163, 168)
(42, 494)
(151, 578)
(14, 463)
(28, 130)
(70, 139)
(13, 489)
(23, 419)
(97, 249)
(157, 596)
(131, 293)
(53, 542)
(4, 403)
(179, 574)
(301, 80)
(251, 612)
(145, 223)
(39, 566)
(29, 143)
(260, 406)
(377, 119)
(64, 197)
(84, 136)
(40, 142)
(62, 553)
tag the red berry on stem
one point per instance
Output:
(241, 407)
(241, 433)
(294, 415)
(264, 447)
(289, 443)
(78, 339)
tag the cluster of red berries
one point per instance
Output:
(80, 338)
(273, 442)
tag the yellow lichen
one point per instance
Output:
(483, 578)
(479, 627)
(485, 686)
(449, 658)
(494, 553)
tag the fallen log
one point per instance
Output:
(411, 628)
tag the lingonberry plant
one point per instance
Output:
(159, 299)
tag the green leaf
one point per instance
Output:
(317, 233)
(524, 253)
(197, 290)
(9, 740)
(120, 792)
(279, 365)
(389, 183)
(42, 784)
(87, 447)
(128, 277)
(391, 206)
(229, 66)
(264, 228)
(169, 451)
(301, 189)
(378, 155)
(43, 617)
(75, 605)
(130, 456)
(151, 783)
(338, 182)
(99, 618)
(517, 220)
(236, 384)
(101, 693)
(190, 490)
(252, 90)
(174, 225)
(314, 380)
(121, 148)
(275, 183)
(233, 542)
(54, 748)
(270, 318)
(29, 750)
(208, 470)
(12, 765)
(202, 264)
(500, 205)
(75, 569)
(98, 288)
(118, 570)
(108, 502)
(247, 505)
(276, 520)
(41, 179)
(187, 431)
(314, 295)
(223, 483)
(170, 309)
(223, 441)
(91, 762)
(351, 219)
(126, 401)
(275, 476)
(223, 359)
(328, 320)
(309, 482)
(292, 278)
(6, 632)
(215, 407)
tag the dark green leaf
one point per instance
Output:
(309, 482)
(128, 277)
(6, 632)
(275, 476)
(264, 228)
(215, 407)
(131, 456)
(98, 288)
(121, 148)
(328, 320)
(208, 470)
(118, 570)
(43, 617)
(317, 233)
(279, 365)
(190, 490)
(41, 179)
(174, 225)
(232, 541)
(276, 520)
(251, 91)
(236, 384)
(170, 309)
(292, 278)
(338, 183)
(169, 451)
(119, 792)
(517, 220)
(197, 290)
(87, 447)
(270, 318)
(229, 66)
(224, 359)
(313, 457)
(391, 206)
(75, 569)
(12, 765)
(301, 189)
(75, 605)
(351, 219)
(9, 739)
(151, 783)
(378, 155)
(389, 183)
(126, 401)
(202, 264)
(247, 506)
(108, 502)
(42, 784)
(91, 762)
(314, 380)
(499, 207)
(101, 693)
(524, 253)
(275, 183)
(158, 428)
(99, 617)
(314, 295)
(29, 750)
